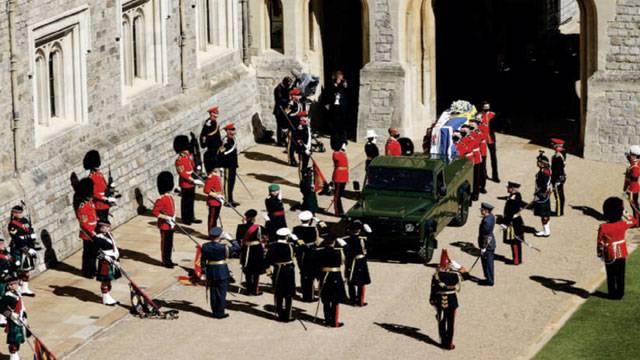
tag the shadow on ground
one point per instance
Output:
(566, 286)
(409, 331)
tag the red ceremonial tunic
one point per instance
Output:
(87, 218)
(213, 184)
(486, 121)
(99, 188)
(164, 205)
(484, 139)
(474, 147)
(184, 167)
(611, 239)
(631, 183)
(461, 149)
(392, 147)
(340, 167)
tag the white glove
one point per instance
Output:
(172, 221)
(341, 242)
(111, 200)
(307, 152)
(220, 198)
(203, 277)
(294, 237)
(198, 182)
(503, 226)
(33, 236)
(32, 252)
(482, 251)
(227, 236)
(455, 265)
(367, 228)
(266, 217)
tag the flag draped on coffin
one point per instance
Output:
(441, 136)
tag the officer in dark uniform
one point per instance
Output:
(357, 270)
(250, 235)
(210, 137)
(281, 99)
(308, 190)
(329, 262)
(229, 161)
(445, 285)
(487, 243)
(512, 223)
(542, 195)
(275, 212)
(214, 260)
(307, 242)
(293, 110)
(371, 148)
(302, 138)
(280, 256)
(558, 174)
(336, 101)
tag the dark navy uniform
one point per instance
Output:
(214, 261)
(308, 190)
(281, 99)
(514, 233)
(543, 182)
(280, 256)
(445, 285)
(558, 178)
(303, 145)
(357, 269)
(252, 254)
(329, 261)
(277, 220)
(307, 236)
(487, 242)
(229, 161)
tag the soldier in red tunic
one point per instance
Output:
(213, 190)
(487, 118)
(165, 210)
(340, 177)
(612, 247)
(101, 201)
(472, 141)
(631, 184)
(392, 147)
(87, 218)
(185, 167)
(483, 135)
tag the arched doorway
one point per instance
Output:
(344, 37)
(514, 54)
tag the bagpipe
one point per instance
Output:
(142, 304)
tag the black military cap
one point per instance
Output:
(514, 185)
(210, 161)
(613, 208)
(91, 160)
(17, 209)
(165, 182)
(251, 213)
(180, 143)
(84, 190)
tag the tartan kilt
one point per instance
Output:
(542, 208)
(107, 271)
(16, 334)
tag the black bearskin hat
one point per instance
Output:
(91, 160)
(165, 182)
(210, 161)
(181, 143)
(84, 190)
(613, 208)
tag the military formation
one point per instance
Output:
(331, 270)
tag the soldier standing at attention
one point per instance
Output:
(483, 135)
(6, 266)
(23, 250)
(213, 190)
(487, 243)
(308, 190)
(281, 99)
(472, 140)
(392, 147)
(357, 269)
(102, 202)
(280, 256)
(14, 310)
(165, 210)
(250, 235)
(631, 184)
(229, 153)
(612, 247)
(87, 218)
(542, 196)
(512, 223)
(370, 148)
(487, 120)
(185, 168)
(303, 143)
(293, 110)
(337, 104)
(275, 212)
(340, 177)
(214, 260)
(308, 236)
(329, 261)
(445, 286)
(107, 270)
(558, 174)
(210, 137)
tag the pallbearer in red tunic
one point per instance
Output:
(487, 119)
(165, 210)
(87, 218)
(213, 190)
(108, 255)
(340, 177)
(482, 133)
(631, 184)
(392, 147)
(612, 247)
(101, 201)
(185, 166)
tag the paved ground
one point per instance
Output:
(508, 321)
